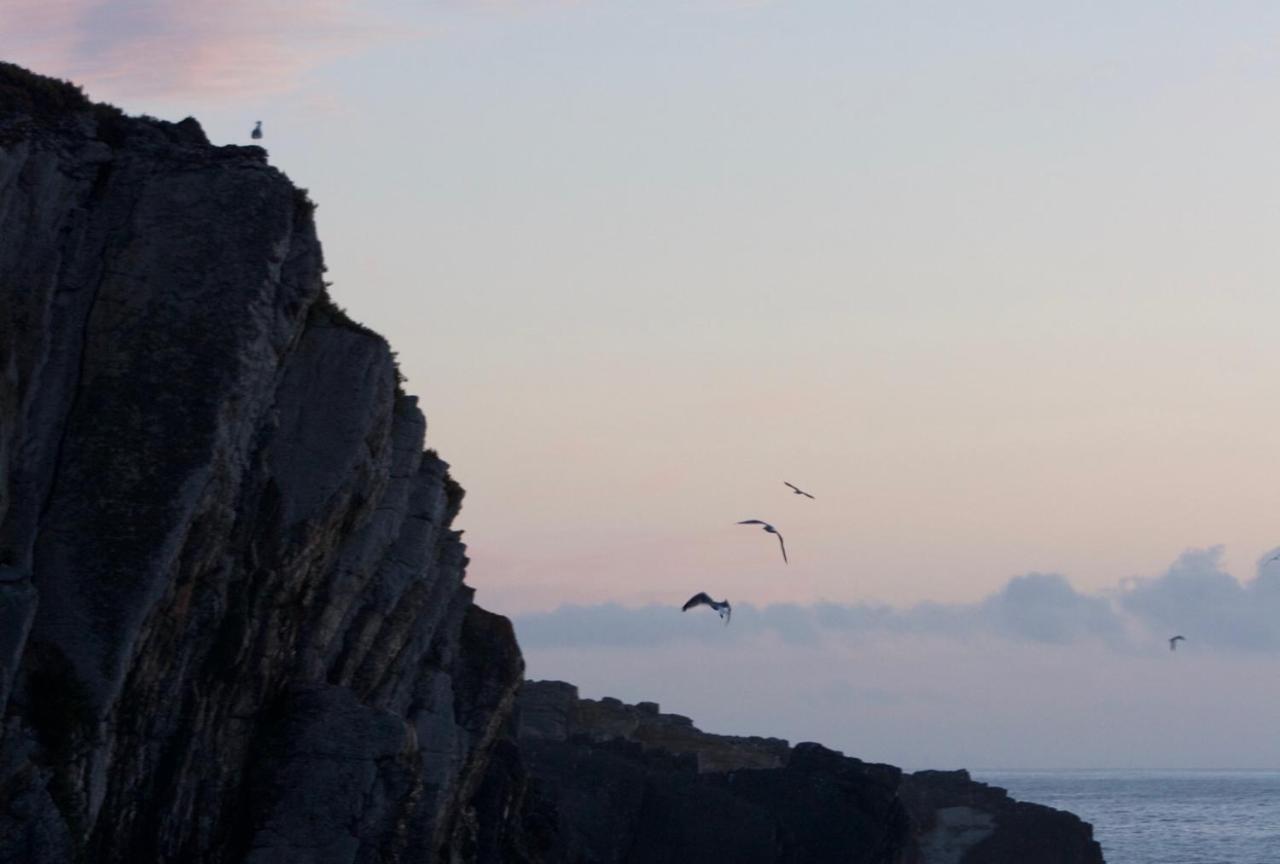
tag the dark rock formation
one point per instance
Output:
(233, 624)
(960, 820)
(626, 783)
(552, 711)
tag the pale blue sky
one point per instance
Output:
(1000, 283)
(997, 281)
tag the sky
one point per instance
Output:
(995, 281)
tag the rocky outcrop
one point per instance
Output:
(233, 624)
(627, 783)
(552, 711)
(961, 821)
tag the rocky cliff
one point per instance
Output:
(233, 623)
(628, 783)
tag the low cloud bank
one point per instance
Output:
(1195, 597)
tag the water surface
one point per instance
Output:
(1157, 817)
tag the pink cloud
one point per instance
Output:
(128, 50)
(157, 49)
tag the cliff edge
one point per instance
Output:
(233, 622)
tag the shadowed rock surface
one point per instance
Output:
(233, 623)
(627, 783)
(961, 821)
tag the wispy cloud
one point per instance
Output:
(130, 50)
(157, 49)
(1036, 675)
(1194, 597)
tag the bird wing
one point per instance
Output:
(784, 549)
(807, 495)
(728, 613)
(697, 600)
(792, 485)
(752, 522)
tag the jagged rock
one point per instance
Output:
(233, 625)
(627, 783)
(331, 791)
(630, 784)
(961, 821)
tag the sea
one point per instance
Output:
(1158, 817)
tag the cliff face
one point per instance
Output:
(233, 625)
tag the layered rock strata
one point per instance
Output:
(233, 624)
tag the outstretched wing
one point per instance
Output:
(698, 599)
(797, 489)
(784, 549)
(752, 522)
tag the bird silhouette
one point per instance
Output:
(1173, 643)
(770, 529)
(722, 607)
(796, 489)
(257, 131)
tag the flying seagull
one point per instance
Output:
(723, 609)
(771, 530)
(1173, 643)
(796, 489)
(257, 131)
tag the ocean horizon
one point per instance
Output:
(1163, 817)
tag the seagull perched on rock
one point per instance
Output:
(771, 530)
(722, 607)
(796, 489)
(1173, 643)
(257, 131)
